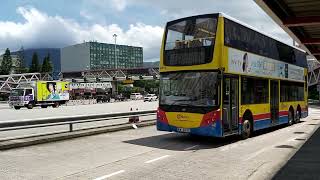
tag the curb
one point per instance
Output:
(29, 141)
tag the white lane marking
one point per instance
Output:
(156, 159)
(189, 148)
(109, 175)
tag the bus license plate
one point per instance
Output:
(183, 130)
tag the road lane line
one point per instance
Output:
(156, 159)
(109, 175)
(189, 148)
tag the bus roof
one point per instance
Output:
(259, 31)
(220, 14)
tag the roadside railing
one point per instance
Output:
(71, 121)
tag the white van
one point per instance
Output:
(150, 97)
(136, 96)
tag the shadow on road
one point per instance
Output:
(305, 164)
(179, 142)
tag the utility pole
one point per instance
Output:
(115, 58)
(115, 50)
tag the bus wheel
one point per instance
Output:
(298, 116)
(290, 118)
(17, 107)
(30, 106)
(246, 129)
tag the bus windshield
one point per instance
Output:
(17, 92)
(189, 89)
(190, 41)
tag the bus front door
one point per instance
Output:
(230, 105)
(274, 101)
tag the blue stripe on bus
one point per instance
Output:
(203, 131)
(266, 123)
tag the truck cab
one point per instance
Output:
(21, 97)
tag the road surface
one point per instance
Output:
(149, 154)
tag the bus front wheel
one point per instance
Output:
(246, 129)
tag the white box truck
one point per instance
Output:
(40, 93)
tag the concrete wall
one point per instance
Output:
(75, 58)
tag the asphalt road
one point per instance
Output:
(148, 154)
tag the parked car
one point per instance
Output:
(136, 96)
(103, 98)
(119, 97)
(150, 97)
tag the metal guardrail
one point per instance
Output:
(28, 124)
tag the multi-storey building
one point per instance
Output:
(97, 56)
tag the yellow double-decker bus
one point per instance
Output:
(220, 77)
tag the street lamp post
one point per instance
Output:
(115, 57)
(115, 50)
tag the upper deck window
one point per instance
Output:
(190, 41)
(245, 39)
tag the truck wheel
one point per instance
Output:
(30, 106)
(17, 107)
(56, 105)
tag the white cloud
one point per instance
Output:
(244, 10)
(118, 5)
(41, 30)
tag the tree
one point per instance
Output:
(46, 65)
(50, 65)
(6, 64)
(35, 63)
(21, 66)
(150, 86)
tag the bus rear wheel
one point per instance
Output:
(290, 118)
(298, 116)
(246, 129)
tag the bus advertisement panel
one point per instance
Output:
(245, 63)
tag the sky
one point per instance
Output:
(60, 23)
